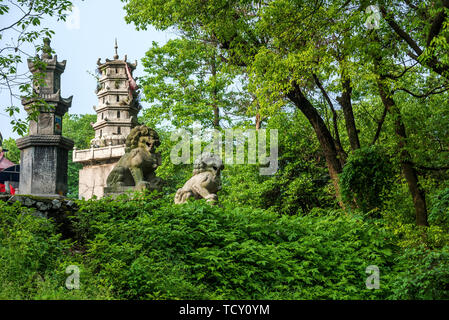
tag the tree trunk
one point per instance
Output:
(346, 105)
(408, 169)
(325, 139)
(215, 107)
(341, 152)
(216, 117)
(258, 121)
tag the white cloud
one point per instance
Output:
(73, 19)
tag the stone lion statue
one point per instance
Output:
(136, 168)
(205, 182)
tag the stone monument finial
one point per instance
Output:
(46, 49)
(116, 47)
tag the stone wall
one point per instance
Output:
(57, 208)
(92, 180)
(97, 164)
(98, 154)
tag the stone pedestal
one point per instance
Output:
(44, 164)
(92, 179)
(115, 191)
(97, 164)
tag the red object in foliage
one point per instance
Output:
(2, 188)
(12, 190)
(131, 81)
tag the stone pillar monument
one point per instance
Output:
(44, 152)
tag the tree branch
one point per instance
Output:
(405, 36)
(424, 95)
(21, 19)
(338, 145)
(380, 124)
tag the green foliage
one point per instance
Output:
(366, 174)
(271, 237)
(33, 258)
(331, 56)
(424, 275)
(151, 248)
(398, 205)
(301, 182)
(186, 81)
(427, 126)
(439, 214)
(13, 152)
(79, 129)
(142, 246)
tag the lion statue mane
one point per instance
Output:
(136, 168)
(205, 182)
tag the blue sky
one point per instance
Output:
(81, 44)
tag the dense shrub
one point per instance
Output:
(154, 249)
(366, 174)
(424, 274)
(145, 247)
(301, 181)
(439, 214)
(28, 248)
(34, 258)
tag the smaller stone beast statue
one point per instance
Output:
(205, 182)
(136, 168)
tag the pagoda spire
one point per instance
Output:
(116, 47)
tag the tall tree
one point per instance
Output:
(279, 54)
(304, 51)
(393, 72)
(186, 81)
(407, 164)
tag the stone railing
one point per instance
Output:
(98, 154)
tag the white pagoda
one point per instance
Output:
(117, 111)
